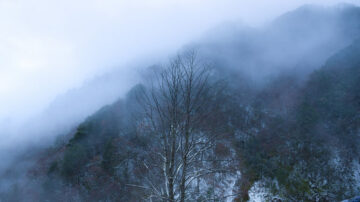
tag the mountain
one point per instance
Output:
(289, 132)
(300, 40)
(309, 151)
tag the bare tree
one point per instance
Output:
(180, 109)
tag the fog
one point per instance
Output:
(62, 61)
(48, 48)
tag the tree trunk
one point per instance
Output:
(171, 168)
(185, 165)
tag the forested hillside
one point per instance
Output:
(203, 128)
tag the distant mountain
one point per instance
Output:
(299, 40)
(72, 107)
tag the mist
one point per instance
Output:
(49, 48)
(60, 62)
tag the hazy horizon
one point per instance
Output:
(50, 50)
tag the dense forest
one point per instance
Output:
(244, 113)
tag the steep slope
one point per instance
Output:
(310, 153)
(332, 94)
(97, 161)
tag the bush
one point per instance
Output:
(75, 158)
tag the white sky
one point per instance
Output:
(48, 46)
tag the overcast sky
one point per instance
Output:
(48, 47)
